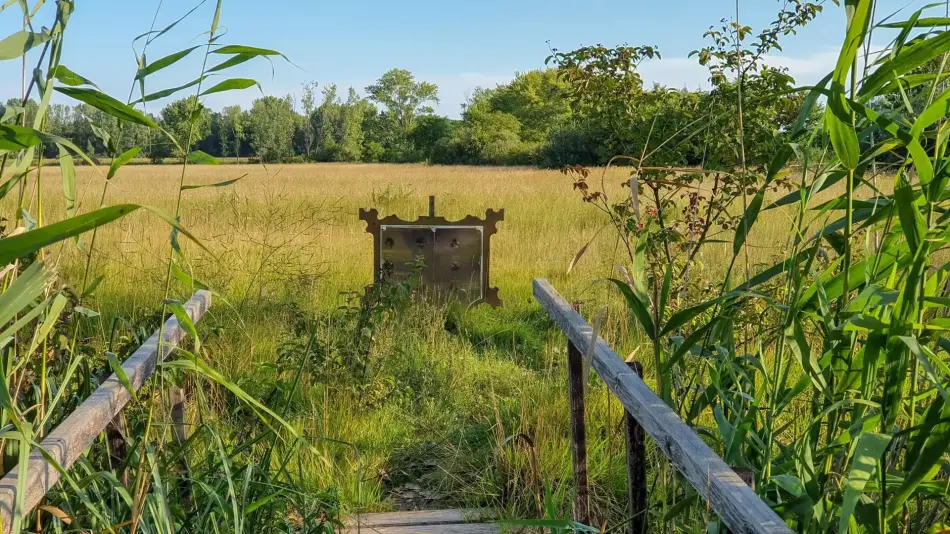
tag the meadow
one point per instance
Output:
(465, 407)
(789, 302)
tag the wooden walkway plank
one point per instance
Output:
(423, 517)
(738, 506)
(461, 528)
(469, 521)
(68, 441)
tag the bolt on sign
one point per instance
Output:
(455, 255)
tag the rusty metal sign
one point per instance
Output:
(454, 256)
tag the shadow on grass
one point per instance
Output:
(521, 334)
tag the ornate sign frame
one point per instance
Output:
(457, 254)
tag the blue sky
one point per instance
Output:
(459, 45)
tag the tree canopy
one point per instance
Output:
(590, 106)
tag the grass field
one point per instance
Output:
(463, 407)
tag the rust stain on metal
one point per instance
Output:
(456, 254)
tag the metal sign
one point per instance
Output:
(454, 255)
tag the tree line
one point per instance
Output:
(550, 117)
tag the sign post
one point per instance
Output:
(456, 255)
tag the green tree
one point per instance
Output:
(538, 99)
(271, 125)
(176, 119)
(31, 108)
(403, 97)
(232, 131)
(325, 122)
(338, 126)
(488, 135)
(308, 100)
(431, 134)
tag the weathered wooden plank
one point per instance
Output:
(421, 517)
(74, 435)
(471, 528)
(738, 506)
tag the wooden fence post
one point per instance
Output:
(636, 467)
(575, 391)
(176, 397)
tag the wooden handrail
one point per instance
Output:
(67, 442)
(738, 506)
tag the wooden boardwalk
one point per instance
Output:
(423, 522)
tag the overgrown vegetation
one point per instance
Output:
(57, 347)
(784, 283)
(824, 373)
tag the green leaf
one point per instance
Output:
(10, 184)
(868, 452)
(29, 285)
(926, 22)
(218, 184)
(820, 183)
(755, 206)
(808, 104)
(789, 483)
(844, 139)
(838, 121)
(908, 59)
(121, 160)
(168, 92)
(637, 307)
(865, 322)
(70, 78)
(230, 62)
(241, 49)
(109, 105)
(176, 226)
(927, 359)
(68, 171)
(193, 363)
(684, 316)
(217, 17)
(665, 291)
(912, 221)
(155, 34)
(91, 288)
(14, 138)
(116, 366)
(937, 110)
(201, 158)
(186, 279)
(798, 343)
(233, 84)
(909, 81)
(20, 245)
(49, 321)
(86, 312)
(164, 62)
(185, 321)
(928, 461)
(19, 43)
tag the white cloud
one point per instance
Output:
(677, 73)
(683, 72)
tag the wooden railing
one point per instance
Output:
(68, 441)
(735, 502)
